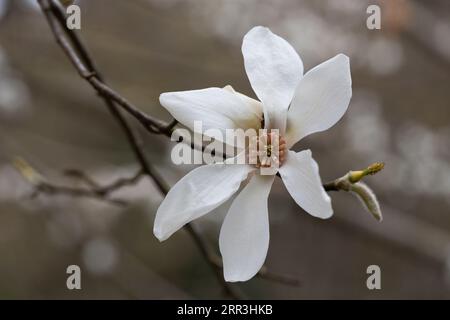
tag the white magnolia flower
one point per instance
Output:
(295, 104)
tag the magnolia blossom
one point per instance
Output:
(297, 105)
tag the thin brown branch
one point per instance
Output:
(82, 176)
(265, 273)
(52, 189)
(85, 66)
(93, 189)
(105, 190)
(331, 186)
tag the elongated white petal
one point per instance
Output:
(217, 108)
(321, 99)
(244, 236)
(253, 103)
(196, 194)
(274, 70)
(300, 174)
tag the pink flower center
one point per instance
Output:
(269, 150)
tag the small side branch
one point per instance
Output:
(93, 190)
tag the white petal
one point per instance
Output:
(196, 194)
(300, 174)
(274, 70)
(244, 236)
(253, 103)
(217, 108)
(321, 99)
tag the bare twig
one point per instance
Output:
(117, 184)
(81, 60)
(265, 273)
(94, 190)
(80, 175)
(51, 189)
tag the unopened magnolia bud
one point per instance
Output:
(368, 198)
(355, 176)
(375, 167)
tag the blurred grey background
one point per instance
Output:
(399, 113)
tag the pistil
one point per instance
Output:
(271, 150)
